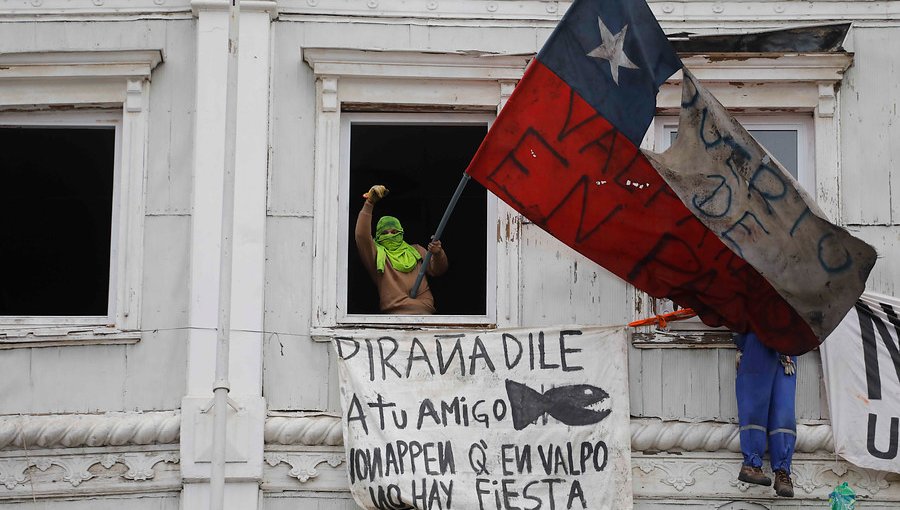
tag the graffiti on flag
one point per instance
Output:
(531, 418)
(861, 361)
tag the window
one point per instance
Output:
(370, 102)
(56, 183)
(73, 134)
(787, 137)
(420, 158)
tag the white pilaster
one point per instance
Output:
(245, 424)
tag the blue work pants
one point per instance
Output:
(765, 401)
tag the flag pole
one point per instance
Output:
(440, 230)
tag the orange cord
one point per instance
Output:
(664, 319)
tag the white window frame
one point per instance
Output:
(72, 88)
(399, 119)
(77, 119)
(398, 82)
(665, 125)
(773, 90)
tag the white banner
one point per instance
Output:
(861, 361)
(487, 420)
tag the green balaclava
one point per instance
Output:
(403, 257)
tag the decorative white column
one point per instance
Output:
(245, 423)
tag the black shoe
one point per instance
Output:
(754, 475)
(783, 485)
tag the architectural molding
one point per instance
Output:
(702, 13)
(303, 466)
(90, 471)
(313, 430)
(267, 6)
(652, 435)
(65, 335)
(647, 434)
(549, 12)
(710, 478)
(75, 431)
(713, 477)
(35, 433)
(304, 469)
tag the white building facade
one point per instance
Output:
(105, 404)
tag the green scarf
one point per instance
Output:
(403, 257)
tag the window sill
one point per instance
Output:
(684, 339)
(61, 336)
(327, 333)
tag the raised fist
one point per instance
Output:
(376, 193)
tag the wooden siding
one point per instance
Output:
(870, 128)
(698, 385)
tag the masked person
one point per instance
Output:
(766, 391)
(392, 263)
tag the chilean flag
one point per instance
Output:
(564, 153)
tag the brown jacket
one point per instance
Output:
(394, 286)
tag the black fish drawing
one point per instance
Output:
(568, 404)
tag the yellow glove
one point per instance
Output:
(376, 193)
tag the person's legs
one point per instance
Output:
(753, 389)
(782, 420)
(783, 429)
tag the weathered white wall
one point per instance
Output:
(143, 502)
(299, 374)
(148, 375)
(870, 166)
(870, 97)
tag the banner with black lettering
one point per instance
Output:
(861, 362)
(487, 420)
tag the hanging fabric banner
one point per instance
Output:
(861, 362)
(487, 420)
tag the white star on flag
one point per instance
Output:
(612, 50)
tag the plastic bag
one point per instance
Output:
(842, 498)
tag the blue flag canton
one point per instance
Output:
(614, 54)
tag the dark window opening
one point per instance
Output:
(56, 190)
(422, 165)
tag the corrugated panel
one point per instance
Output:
(635, 381)
(560, 286)
(15, 383)
(727, 373)
(292, 126)
(294, 367)
(165, 306)
(171, 142)
(166, 271)
(698, 384)
(87, 379)
(650, 391)
(885, 277)
(870, 128)
(809, 375)
(163, 352)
